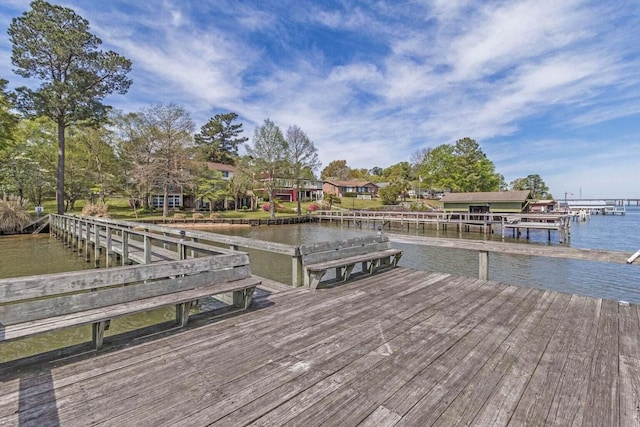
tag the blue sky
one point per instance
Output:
(546, 87)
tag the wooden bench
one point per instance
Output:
(38, 304)
(374, 253)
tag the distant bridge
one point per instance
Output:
(629, 201)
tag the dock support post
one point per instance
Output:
(483, 265)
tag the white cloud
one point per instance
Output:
(536, 83)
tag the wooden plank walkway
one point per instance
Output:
(402, 348)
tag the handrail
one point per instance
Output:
(484, 247)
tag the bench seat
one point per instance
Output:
(99, 317)
(344, 262)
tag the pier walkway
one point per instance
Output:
(485, 223)
(404, 347)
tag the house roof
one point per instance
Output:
(484, 197)
(544, 202)
(221, 167)
(350, 183)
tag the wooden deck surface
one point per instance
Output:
(405, 348)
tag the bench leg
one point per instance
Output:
(396, 259)
(243, 298)
(315, 277)
(347, 272)
(97, 333)
(373, 266)
(182, 313)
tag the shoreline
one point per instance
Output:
(204, 225)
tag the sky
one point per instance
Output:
(545, 87)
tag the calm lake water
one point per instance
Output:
(603, 280)
(30, 255)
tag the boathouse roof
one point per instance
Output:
(487, 197)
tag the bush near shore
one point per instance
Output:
(13, 215)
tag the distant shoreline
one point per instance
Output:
(204, 225)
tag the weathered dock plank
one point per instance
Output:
(400, 348)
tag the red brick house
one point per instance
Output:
(340, 188)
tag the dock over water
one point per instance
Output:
(403, 347)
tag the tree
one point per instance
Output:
(435, 168)
(301, 154)
(336, 169)
(27, 165)
(53, 44)
(170, 128)
(535, 184)
(399, 171)
(375, 171)
(219, 139)
(461, 167)
(211, 187)
(242, 182)
(389, 194)
(135, 148)
(8, 120)
(473, 170)
(268, 156)
(101, 161)
(332, 199)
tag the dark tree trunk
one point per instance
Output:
(60, 187)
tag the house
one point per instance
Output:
(485, 202)
(179, 198)
(227, 170)
(542, 206)
(310, 189)
(350, 188)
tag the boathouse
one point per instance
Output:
(542, 206)
(487, 202)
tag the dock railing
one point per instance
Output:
(484, 248)
(196, 240)
(187, 242)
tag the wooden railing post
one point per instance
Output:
(108, 250)
(79, 237)
(297, 272)
(96, 247)
(147, 249)
(87, 241)
(483, 265)
(125, 247)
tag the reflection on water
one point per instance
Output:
(29, 255)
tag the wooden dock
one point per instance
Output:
(485, 223)
(404, 347)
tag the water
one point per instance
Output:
(26, 255)
(30, 255)
(601, 280)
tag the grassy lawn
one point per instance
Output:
(119, 209)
